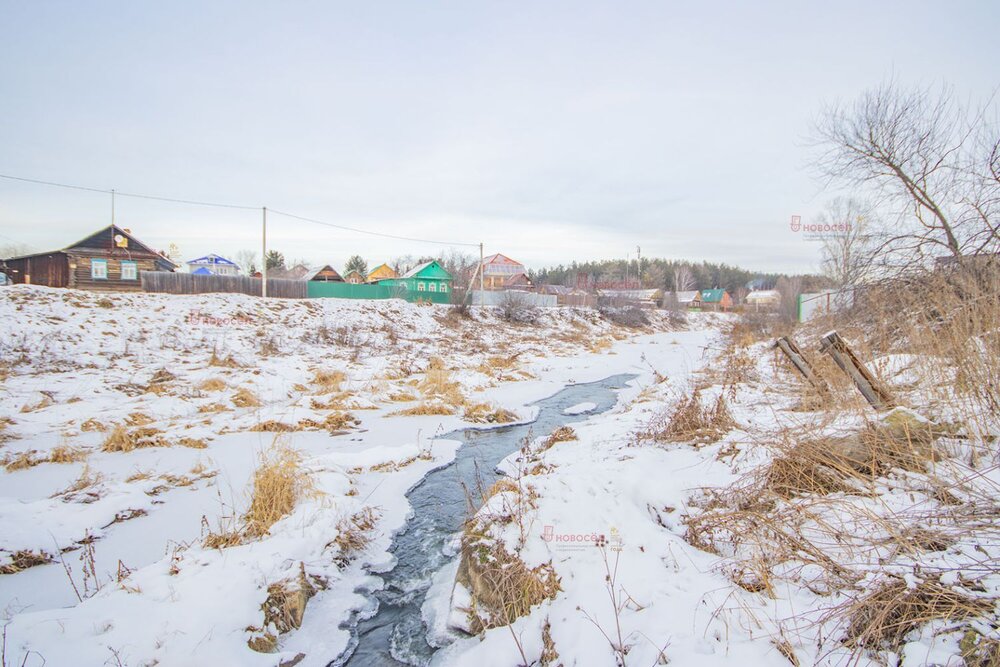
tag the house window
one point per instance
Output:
(129, 270)
(443, 287)
(421, 287)
(432, 287)
(99, 269)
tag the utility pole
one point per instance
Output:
(638, 261)
(482, 294)
(263, 256)
(112, 206)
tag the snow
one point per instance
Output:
(159, 596)
(579, 408)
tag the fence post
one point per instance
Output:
(874, 393)
(788, 345)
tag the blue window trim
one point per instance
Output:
(130, 263)
(99, 262)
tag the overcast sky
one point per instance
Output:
(551, 131)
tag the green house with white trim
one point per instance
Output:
(425, 282)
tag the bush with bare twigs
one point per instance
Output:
(516, 308)
(691, 421)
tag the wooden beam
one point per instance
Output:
(791, 349)
(874, 393)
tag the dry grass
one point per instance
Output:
(484, 413)
(883, 618)
(354, 533)
(328, 381)
(272, 426)
(193, 443)
(139, 419)
(213, 408)
(426, 408)
(221, 361)
(561, 434)
(83, 489)
(161, 381)
(437, 384)
(283, 610)
(26, 459)
(24, 559)
(244, 398)
(279, 482)
(691, 421)
(212, 384)
(44, 402)
(67, 454)
(121, 439)
(502, 587)
(92, 425)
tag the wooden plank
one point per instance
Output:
(864, 380)
(186, 283)
(791, 349)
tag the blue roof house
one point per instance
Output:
(213, 265)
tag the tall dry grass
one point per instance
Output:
(279, 482)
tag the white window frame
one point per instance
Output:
(432, 287)
(103, 273)
(133, 273)
(443, 287)
(421, 287)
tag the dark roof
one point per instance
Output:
(111, 231)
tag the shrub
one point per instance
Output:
(516, 308)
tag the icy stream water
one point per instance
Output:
(393, 631)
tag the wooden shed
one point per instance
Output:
(109, 260)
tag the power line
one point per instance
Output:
(368, 231)
(118, 193)
(193, 202)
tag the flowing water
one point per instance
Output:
(393, 631)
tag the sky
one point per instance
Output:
(548, 131)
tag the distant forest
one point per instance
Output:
(666, 274)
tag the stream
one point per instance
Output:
(392, 630)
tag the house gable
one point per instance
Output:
(103, 241)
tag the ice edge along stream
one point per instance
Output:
(392, 629)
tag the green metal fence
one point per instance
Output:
(317, 290)
(320, 290)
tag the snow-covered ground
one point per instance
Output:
(680, 548)
(130, 577)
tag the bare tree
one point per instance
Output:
(850, 241)
(461, 265)
(789, 287)
(683, 279)
(916, 150)
(247, 260)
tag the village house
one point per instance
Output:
(213, 265)
(109, 259)
(502, 272)
(381, 272)
(428, 281)
(646, 298)
(354, 277)
(685, 298)
(713, 299)
(322, 274)
(763, 299)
